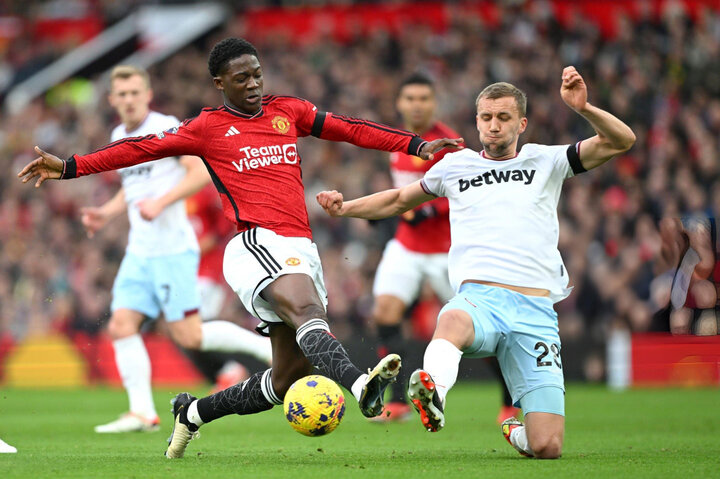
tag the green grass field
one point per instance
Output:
(639, 433)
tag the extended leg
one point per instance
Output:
(429, 386)
(295, 300)
(133, 364)
(192, 333)
(258, 393)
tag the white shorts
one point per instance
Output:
(257, 257)
(401, 273)
(212, 298)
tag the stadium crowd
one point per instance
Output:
(660, 77)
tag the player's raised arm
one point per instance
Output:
(376, 206)
(613, 136)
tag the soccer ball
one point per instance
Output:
(314, 405)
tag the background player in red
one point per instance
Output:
(249, 146)
(214, 231)
(419, 250)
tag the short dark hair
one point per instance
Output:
(502, 90)
(226, 50)
(417, 79)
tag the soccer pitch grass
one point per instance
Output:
(638, 433)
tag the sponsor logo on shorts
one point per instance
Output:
(292, 261)
(253, 158)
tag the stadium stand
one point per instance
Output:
(657, 68)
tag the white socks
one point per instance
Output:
(441, 361)
(230, 338)
(518, 438)
(133, 364)
(357, 386)
(193, 415)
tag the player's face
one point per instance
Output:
(499, 124)
(416, 104)
(242, 83)
(131, 98)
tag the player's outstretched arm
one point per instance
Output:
(45, 167)
(186, 139)
(368, 134)
(195, 179)
(376, 206)
(613, 136)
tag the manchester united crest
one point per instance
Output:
(281, 124)
(292, 261)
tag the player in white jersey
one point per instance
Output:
(418, 253)
(159, 271)
(504, 263)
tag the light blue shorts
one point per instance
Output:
(160, 283)
(522, 331)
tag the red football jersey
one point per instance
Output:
(431, 235)
(206, 215)
(253, 159)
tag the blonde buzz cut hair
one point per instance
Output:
(502, 90)
(127, 71)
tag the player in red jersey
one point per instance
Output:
(249, 146)
(419, 250)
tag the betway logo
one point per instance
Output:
(494, 176)
(266, 155)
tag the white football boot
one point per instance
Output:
(6, 448)
(129, 422)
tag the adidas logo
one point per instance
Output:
(232, 131)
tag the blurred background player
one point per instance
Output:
(214, 231)
(692, 272)
(159, 270)
(419, 250)
(6, 448)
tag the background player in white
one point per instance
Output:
(504, 261)
(159, 270)
(418, 251)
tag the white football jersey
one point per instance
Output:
(171, 232)
(503, 216)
